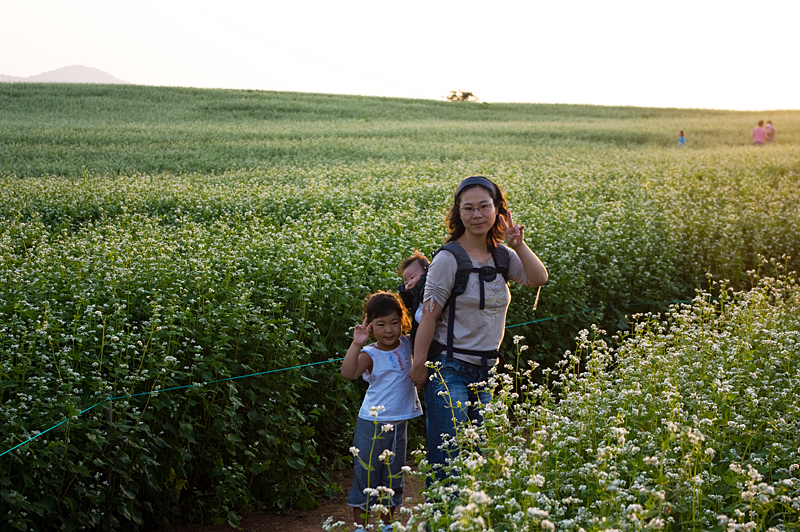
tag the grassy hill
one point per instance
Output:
(65, 129)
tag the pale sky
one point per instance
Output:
(716, 54)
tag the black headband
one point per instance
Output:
(477, 180)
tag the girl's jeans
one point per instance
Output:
(371, 442)
(446, 395)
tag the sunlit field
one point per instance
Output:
(154, 238)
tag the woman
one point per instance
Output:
(477, 222)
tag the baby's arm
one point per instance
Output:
(356, 361)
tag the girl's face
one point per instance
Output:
(477, 210)
(412, 274)
(387, 331)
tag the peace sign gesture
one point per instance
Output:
(514, 234)
(361, 332)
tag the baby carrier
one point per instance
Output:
(412, 298)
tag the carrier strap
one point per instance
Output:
(436, 349)
(463, 271)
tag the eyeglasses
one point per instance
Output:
(470, 211)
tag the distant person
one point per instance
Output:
(759, 134)
(379, 443)
(770, 132)
(681, 139)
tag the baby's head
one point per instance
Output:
(412, 268)
(680, 134)
(386, 305)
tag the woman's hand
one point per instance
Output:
(361, 332)
(514, 234)
(419, 375)
(535, 272)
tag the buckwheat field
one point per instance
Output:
(156, 238)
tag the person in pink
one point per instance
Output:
(770, 129)
(759, 134)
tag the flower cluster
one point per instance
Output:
(647, 435)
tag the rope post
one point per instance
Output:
(108, 414)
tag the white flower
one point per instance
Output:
(695, 436)
(385, 490)
(537, 513)
(354, 451)
(170, 359)
(479, 497)
(517, 338)
(651, 460)
(387, 427)
(548, 525)
(386, 456)
(374, 410)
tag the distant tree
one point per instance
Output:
(462, 96)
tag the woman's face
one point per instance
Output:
(477, 210)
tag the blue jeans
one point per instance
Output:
(391, 476)
(442, 411)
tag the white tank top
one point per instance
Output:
(389, 385)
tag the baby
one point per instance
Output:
(413, 270)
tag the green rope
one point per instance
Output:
(198, 384)
(194, 385)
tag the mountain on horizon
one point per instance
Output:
(68, 74)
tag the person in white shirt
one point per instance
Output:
(379, 444)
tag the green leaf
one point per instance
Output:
(295, 463)
(257, 469)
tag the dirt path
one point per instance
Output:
(310, 520)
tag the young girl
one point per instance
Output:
(391, 400)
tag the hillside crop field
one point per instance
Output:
(156, 238)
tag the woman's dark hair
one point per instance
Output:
(382, 304)
(454, 224)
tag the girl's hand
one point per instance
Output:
(514, 234)
(361, 332)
